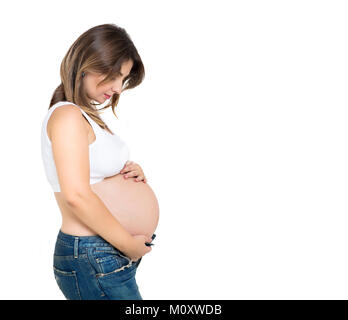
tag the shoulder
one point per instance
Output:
(66, 109)
(65, 115)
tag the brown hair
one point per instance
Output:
(101, 49)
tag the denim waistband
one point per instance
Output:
(70, 240)
(75, 245)
(79, 244)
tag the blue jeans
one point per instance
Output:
(90, 268)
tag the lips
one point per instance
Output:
(106, 95)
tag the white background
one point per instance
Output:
(240, 126)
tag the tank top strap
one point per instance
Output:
(94, 125)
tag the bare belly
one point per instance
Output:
(133, 204)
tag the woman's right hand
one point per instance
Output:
(138, 248)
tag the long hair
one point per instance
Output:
(101, 49)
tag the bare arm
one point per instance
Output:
(91, 210)
(69, 138)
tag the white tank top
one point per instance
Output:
(107, 154)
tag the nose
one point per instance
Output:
(117, 87)
(117, 90)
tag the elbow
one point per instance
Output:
(73, 199)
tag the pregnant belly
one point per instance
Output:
(133, 204)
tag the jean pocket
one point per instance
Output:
(67, 283)
(110, 260)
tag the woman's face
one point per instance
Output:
(90, 81)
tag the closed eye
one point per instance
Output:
(120, 73)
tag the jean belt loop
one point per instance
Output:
(76, 248)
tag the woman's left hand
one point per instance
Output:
(131, 169)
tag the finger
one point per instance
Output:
(130, 163)
(127, 169)
(124, 166)
(131, 174)
(139, 178)
(127, 166)
(123, 169)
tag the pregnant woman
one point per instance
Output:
(109, 212)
